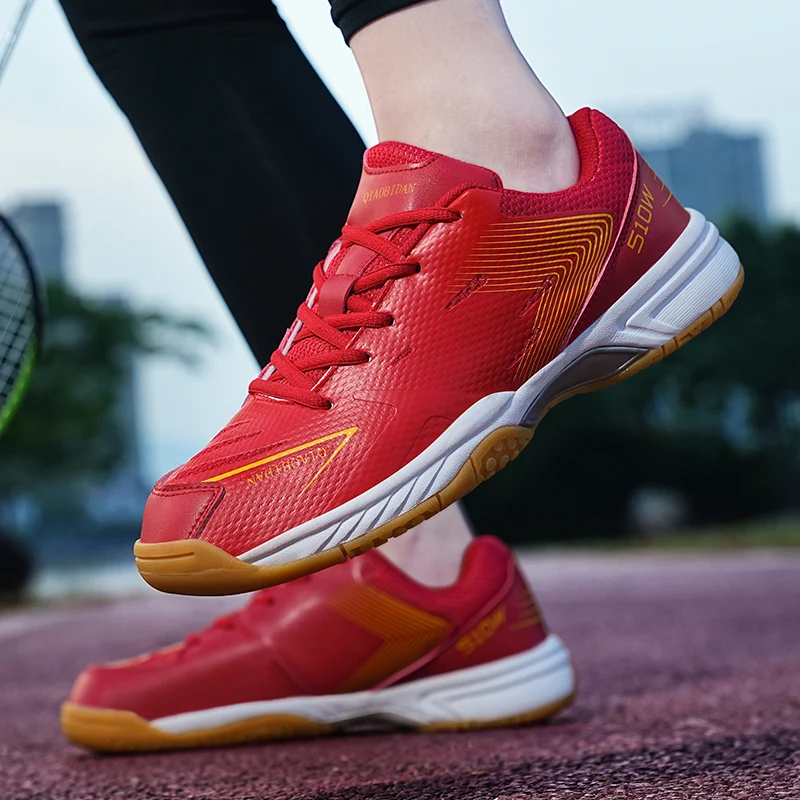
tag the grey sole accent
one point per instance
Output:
(599, 364)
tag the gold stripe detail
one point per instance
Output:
(407, 632)
(566, 253)
(347, 433)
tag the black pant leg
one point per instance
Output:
(352, 15)
(259, 159)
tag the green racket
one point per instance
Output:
(20, 321)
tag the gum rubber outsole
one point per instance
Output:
(111, 731)
(107, 730)
(192, 566)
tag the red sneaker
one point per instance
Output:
(449, 317)
(359, 641)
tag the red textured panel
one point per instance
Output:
(504, 278)
(369, 623)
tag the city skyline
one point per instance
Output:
(68, 141)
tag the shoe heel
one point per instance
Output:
(667, 308)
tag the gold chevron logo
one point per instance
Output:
(557, 261)
(319, 450)
(407, 632)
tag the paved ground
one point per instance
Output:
(690, 673)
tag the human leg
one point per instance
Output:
(258, 157)
(452, 314)
(447, 76)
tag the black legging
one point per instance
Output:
(259, 159)
(352, 15)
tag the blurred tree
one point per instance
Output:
(718, 421)
(766, 332)
(68, 429)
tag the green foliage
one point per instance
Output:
(717, 421)
(68, 427)
(764, 330)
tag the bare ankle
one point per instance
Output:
(539, 156)
(431, 554)
(531, 149)
(466, 91)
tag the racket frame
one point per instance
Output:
(34, 347)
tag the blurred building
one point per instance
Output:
(120, 498)
(717, 171)
(41, 228)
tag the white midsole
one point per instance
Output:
(691, 276)
(521, 684)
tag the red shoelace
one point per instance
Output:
(339, 330)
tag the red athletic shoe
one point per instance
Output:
(359, 641)
(449, 317)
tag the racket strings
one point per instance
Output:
(17, 315)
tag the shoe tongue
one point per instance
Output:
(396, 177)
(399, 177)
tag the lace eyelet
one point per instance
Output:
(328, 406)
(392, 320)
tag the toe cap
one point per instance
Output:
(179, 511)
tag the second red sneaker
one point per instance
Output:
(444, 323)
(359, 641)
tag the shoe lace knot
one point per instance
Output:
(289, 376)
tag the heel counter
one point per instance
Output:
(513, 624)
(653, 222)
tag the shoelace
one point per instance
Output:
(338, 330)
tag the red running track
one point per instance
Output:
(690, 688)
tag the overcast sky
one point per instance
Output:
(61, 136)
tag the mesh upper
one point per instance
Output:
(607, 163)
(395, 154)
